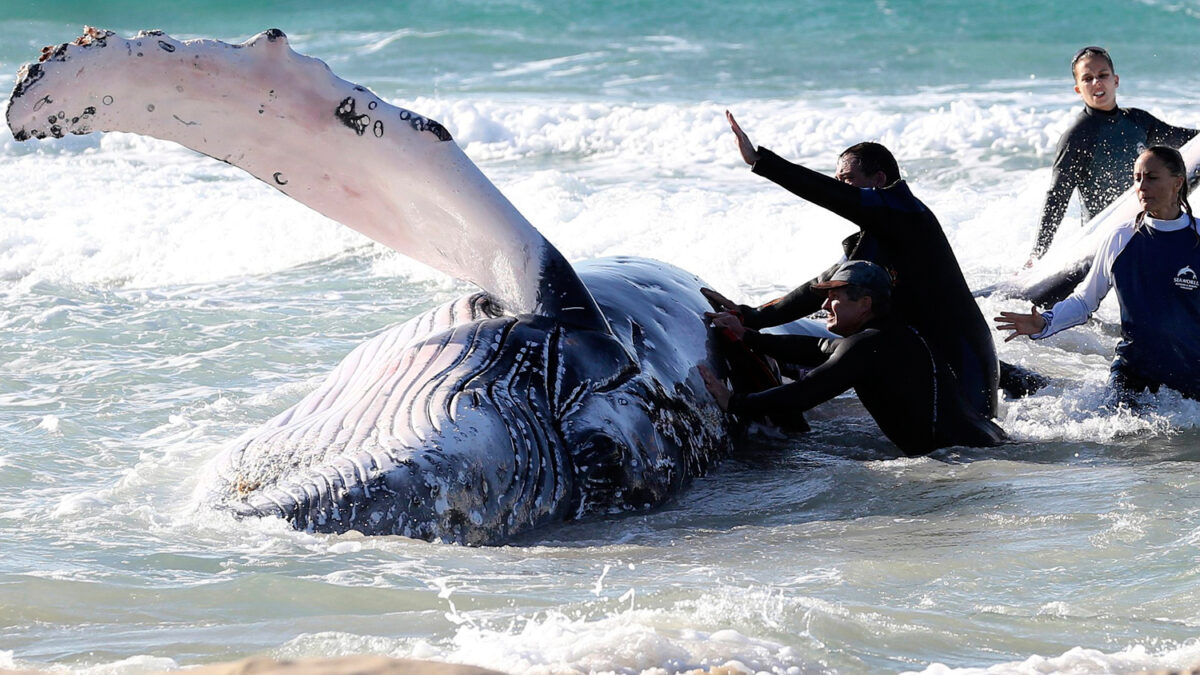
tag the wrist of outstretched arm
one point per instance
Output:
(1048, 317)
(745, 312)
(765, 157)
(1069, 313)
(1045, 237)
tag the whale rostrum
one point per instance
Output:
(554, 393)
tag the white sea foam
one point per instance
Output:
(50, 423)
(1082, 661)
(661, 180)
(133, 664)
(630, 642)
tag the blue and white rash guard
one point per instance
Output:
(1156, 272)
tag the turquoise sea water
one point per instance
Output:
(639, 51)
(155, 304)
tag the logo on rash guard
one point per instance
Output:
(1186, 279)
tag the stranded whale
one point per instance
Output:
(554, 393)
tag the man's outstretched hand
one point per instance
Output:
(749, 152)
(718, 301)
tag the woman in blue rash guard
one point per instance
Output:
(1153, 262)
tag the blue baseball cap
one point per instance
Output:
(862, 273)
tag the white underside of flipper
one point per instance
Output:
(336, 147)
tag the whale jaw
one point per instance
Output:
(444, 436)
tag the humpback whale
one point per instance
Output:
(1056, 274)
(553, 393)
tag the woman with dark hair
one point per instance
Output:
(1095, 152)
(1153, 262)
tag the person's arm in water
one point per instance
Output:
(797, 304)
(838, 374)
(834, 376)
(1080, 305)
(801, 350)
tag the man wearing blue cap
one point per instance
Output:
(900, 233)
(907, 388)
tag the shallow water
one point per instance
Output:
(154, 305)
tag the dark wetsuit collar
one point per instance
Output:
(884, 322)
(1102, 113)
(897, 190)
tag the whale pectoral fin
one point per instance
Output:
(392, 174)
(1056, 287)
(1043, 289)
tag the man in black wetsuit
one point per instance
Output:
(1096, 154)
(899, 233)
(906, 387)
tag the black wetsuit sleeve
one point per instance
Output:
(802, 350)
(837, 375)
(1064, 178)
(824, 191)
(1159, 132)
(795, 305)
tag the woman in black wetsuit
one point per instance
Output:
(1095, 154)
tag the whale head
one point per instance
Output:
(467, 426)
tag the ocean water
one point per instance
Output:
(155, 304)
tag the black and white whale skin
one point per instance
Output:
(554, 393)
